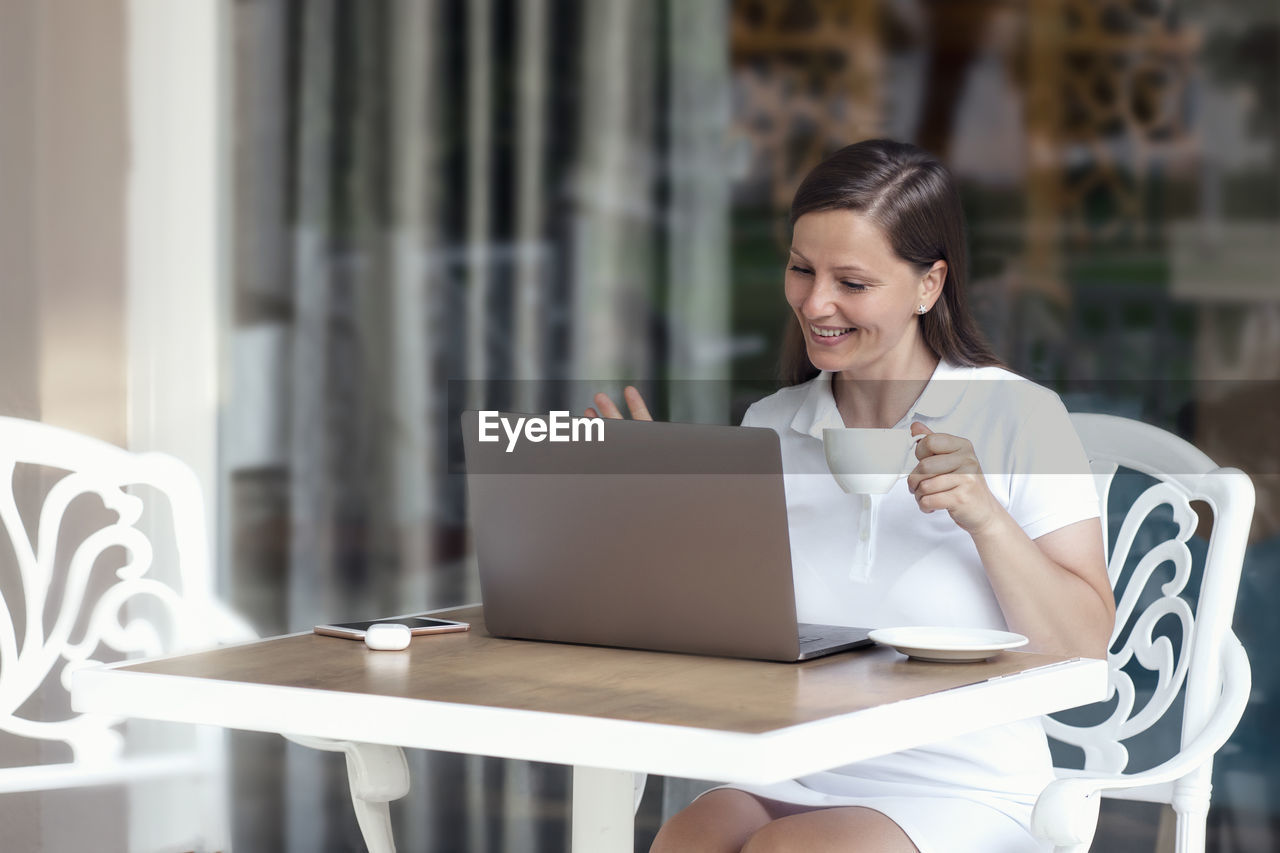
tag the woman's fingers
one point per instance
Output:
(935, 443)
(939, 484)
(933, 466)
(940, 453)
(635, 403)
(949, 477)
(606, 407)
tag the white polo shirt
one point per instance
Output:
(878, 560)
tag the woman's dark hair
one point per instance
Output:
(911, 196)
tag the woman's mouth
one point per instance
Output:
(830, 335)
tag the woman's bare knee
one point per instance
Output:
(717, 822)
(844, 829)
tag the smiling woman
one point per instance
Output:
(882, 338)
(857, 315)
(898, 205)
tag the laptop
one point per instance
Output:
(637, 534)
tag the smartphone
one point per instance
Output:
(417, 625)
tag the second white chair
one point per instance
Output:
(1207, 666)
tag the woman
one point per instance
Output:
(883, 338)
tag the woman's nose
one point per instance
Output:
(819, 301)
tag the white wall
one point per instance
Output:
(111, 255)
(63, 161)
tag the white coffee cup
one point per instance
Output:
(869, 461)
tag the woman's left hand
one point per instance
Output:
(949, 477)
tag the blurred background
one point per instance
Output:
(289, 240)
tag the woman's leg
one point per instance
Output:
(719, 821)
(846, 829)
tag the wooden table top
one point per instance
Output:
(474, 668)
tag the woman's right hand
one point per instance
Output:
(607, 409)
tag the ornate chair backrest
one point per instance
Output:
(1173, 632)
(73, 593)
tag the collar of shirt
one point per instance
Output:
(943, 393)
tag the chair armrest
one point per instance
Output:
(1066, 812)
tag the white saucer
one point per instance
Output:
(948, 645)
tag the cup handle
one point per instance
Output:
(910, 461)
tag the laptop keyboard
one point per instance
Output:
(819, 639)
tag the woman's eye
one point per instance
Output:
(800, 270)
(853, 285)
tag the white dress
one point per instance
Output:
(878, 561)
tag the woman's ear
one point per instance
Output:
(931, 284)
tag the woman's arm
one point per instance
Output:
(1054, 589)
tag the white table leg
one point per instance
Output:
(377, 775)
(603, 810)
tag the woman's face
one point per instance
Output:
(855, 299)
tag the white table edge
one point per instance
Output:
(664, 749)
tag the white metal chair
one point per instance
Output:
(111, 558)
(1207, 666)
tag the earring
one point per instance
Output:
(921, 309)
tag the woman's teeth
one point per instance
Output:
(829, 333)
